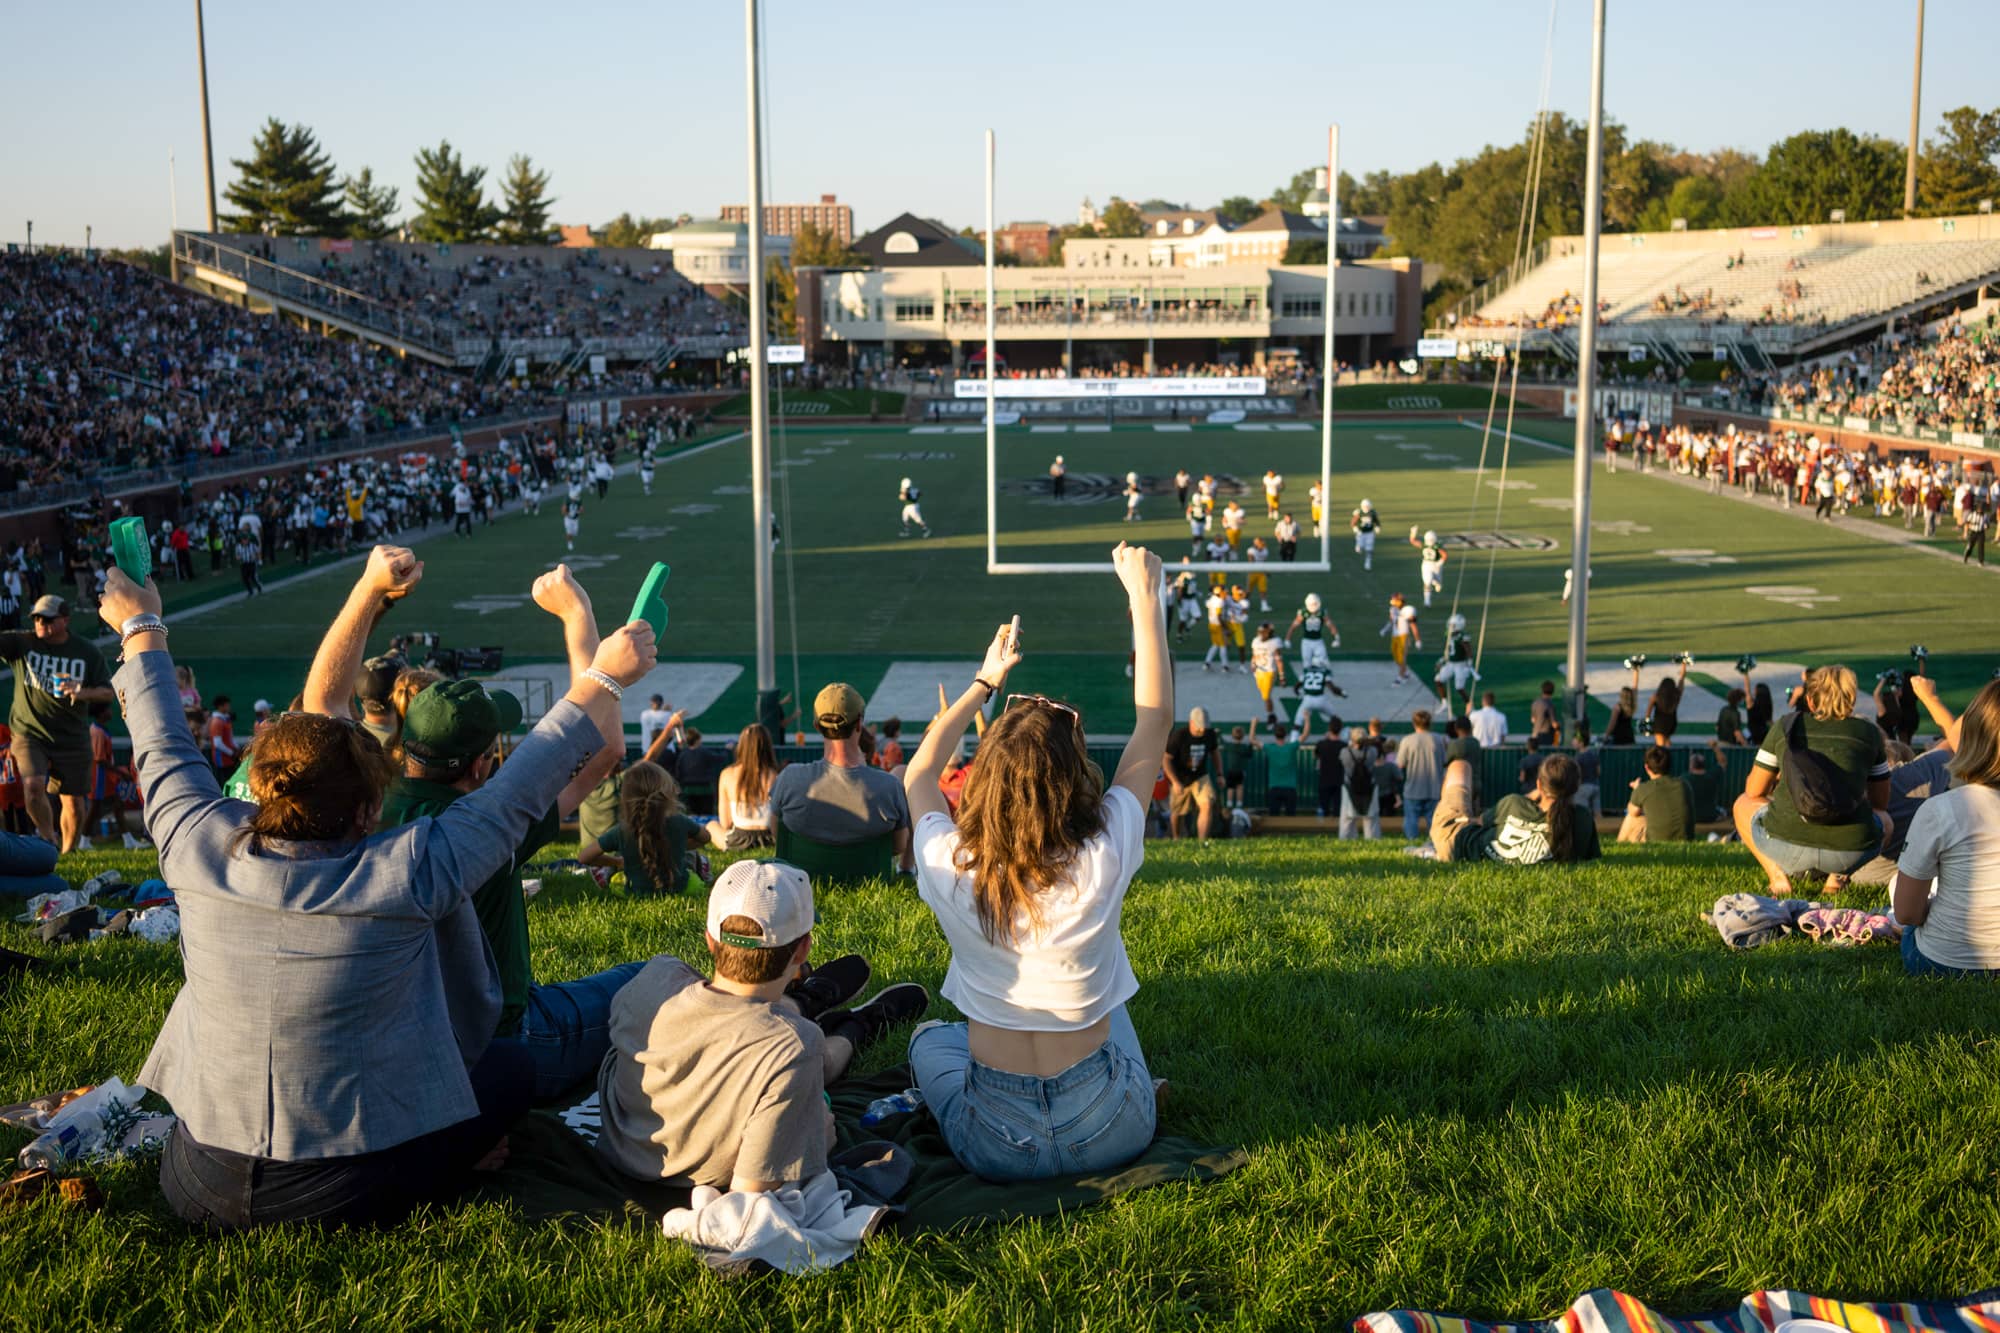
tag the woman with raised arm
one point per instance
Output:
(1045, 1077)
(1663, 711)
(330, 1054)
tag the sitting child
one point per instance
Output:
(652, 839)
(1520, 830)
(720, 1082)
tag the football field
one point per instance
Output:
(1673, 569)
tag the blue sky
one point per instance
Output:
(641, 106)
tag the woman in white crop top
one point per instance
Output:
(1045, 1077)
(743, 794)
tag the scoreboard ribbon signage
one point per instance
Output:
(1179, 386)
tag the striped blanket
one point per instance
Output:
(1607, 1311)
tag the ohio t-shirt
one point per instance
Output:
(1668, 805)
(1517, 831)
(700, 1086)
(1071, 972)
(40, 667)
(1856, 750)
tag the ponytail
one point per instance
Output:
(1559, 777)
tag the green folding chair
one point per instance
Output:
(838, 863)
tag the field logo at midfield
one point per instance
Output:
(1496, 541)
(1698, 555)
(694, 510)
(1097, 487)
(1415, 402)
(647, 533)
(1791, 594)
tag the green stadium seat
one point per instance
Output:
(838, 863)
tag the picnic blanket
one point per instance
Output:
(1606, 1311)
(553, 1171)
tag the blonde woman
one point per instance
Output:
(1817, 799)
(1954, 839)
(743, 794)
(1028, 881)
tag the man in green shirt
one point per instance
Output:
(1704, 780)
(1661, 808)
(1281, 773)
(57, 675)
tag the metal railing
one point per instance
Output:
(272, 280)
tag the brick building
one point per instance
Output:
(828, 215)
(1025, 242)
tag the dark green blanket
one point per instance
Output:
(553, 1172)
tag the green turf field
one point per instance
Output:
(1471, 1089)
(1673, 567)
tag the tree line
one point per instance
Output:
(289, 186)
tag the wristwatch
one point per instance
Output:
(145, 620)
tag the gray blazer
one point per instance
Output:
(334, 997)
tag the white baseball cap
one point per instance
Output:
(774, 894)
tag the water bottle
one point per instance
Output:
(901, 1103)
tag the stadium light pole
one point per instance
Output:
(1586, 383)
(207, 144)
(1916, 103)
(992, 444)
(1328, 371)
(760, 419)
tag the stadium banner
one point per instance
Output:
(597, 365)
(785, 354)
(1433, 349)
(1855, 423)
(1226, 417)
(1966, 439)
(1179, 386)
(974, 409)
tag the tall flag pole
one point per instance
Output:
(760, 409)
(1586, 384)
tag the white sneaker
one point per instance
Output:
(133, 844)
(82, 843)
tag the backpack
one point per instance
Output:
(1819, 789)
(1360, 782)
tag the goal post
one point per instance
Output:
(1328, 375)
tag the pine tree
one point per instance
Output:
(371, 208)
(1956, 169)
(524, 212)
(451, 198)
(286, 187)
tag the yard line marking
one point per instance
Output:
(1048, 430)
(1093, 430)
(1181, 426)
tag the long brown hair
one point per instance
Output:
(311, 775)
(1977, 761)
(1033, 800)
(1559, 776)
(756, 765)
(648, 797)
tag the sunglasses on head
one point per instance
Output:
(1043, 701)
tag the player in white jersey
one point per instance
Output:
(531, 493)
(1403, 635)
(1257, 580)
(1455, 673)
(1218, 612)
(572, 516)
(1267, 664)
(1186, 600)
(1197, 521)
(1431, 558)
(1274, 490)
(1237, 613)
(1131, 496)
(1318, 499)
(646, 471)
(1316, 695)
(1365, 522)
(1232, 524)
(1314, 631)
(908, 493)
(1217, 552)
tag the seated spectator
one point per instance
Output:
(1527, 773)
(839, 799)
(1489, 724)
(1661, 807)
(1952, 927)
(1520, 830)
(1360, 797)
(889, 754)
(1913, 780)
(1704, 780)
(1729, 722)
(1420, 757)
(653, 841)
(720, 1082)
(1045, 1077)
(1194, 769)
(1818, 795)
(743, 794)
(1281, 772)
(374, 686)
(27, 866)
(330, 1054)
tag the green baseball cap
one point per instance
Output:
(453, 722)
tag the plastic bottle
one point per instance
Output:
(901, 1103)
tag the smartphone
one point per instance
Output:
(1014, 635)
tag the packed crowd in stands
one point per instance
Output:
(1947, 382)
(519, 292)
(103, 365)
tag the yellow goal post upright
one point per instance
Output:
(1328, 375)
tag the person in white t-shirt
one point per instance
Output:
(1045, 1077)
(654, 719)
(1954, 839)
(1489, 724)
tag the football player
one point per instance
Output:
(572, 516)
(1267, 664)
(1455, 674)
(1232, 524)
(908, 493)
(1314, 630)
(1132, 493)
(1274, 487)
(1431, 558)
(1237, 613)
(1316, 695)
(1187, 601)
(1403, 635)
(1258, 581)
(1365, 521)
(1217, 552)
(1218, 610)
(1318, 499)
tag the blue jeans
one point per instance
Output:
(1097, 1114)
(1798, 859)
(1917, 965)
(567, 1028)
(27, 866)
(1416, 809)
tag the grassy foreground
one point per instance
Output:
(1466, 1089)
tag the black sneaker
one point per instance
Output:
(829, 985)
(865, 1025)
